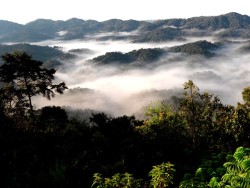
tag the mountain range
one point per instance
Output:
(223, 26)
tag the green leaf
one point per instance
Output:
(246, 165)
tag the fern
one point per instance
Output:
(246, 165)
(239, 154)
(238, 169)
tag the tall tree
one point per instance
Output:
(207, 120)
(246, 95)
(22, 78)
(243, 119)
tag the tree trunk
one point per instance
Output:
(30, 104)
(29, 96)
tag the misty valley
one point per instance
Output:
(162, 103)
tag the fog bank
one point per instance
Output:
(119, 91)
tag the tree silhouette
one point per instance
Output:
(21, 77)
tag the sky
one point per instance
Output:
(24, 11)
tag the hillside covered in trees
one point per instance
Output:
(152, 55)
(193, 135)
(42, 53)
(227, 26)
(53, 57)
(141, 55)
(125, 103)
(203, 48)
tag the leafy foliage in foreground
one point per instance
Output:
(195, 133)
(237, 170)
(234, 173)
(161, 176)
(117, 180)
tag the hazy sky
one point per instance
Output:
(23, 11)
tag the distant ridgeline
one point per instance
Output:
(51, 56)
(227, 25)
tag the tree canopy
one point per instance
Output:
(22, 78)
(193, 135)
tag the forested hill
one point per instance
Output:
(230, 20)
(51, 56)
(158, 30)
(201, 48)
(141, 55)
(196, 48)
(42, 53)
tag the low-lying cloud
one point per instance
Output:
(119, 91)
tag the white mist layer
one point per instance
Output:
(121, 92)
